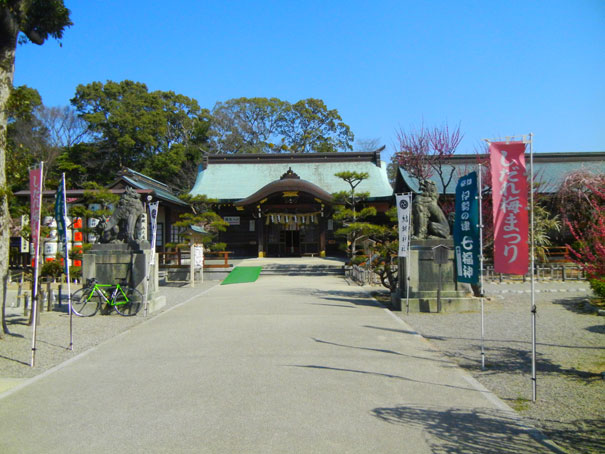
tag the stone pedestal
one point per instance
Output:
(113, 263)
(424, 281)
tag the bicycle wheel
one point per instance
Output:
(83, 304)
(128, 302)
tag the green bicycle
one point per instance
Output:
(127, 301)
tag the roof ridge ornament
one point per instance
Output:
(290, 174)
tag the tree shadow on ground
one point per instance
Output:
(487, 339)
(505, 358)
(381, 375)
(352, 297)
(599, 329)
(379, 350)
(175, 284)
(458, 430)
(510, 359)
(581, 435)
(14, 360)
(574, 304)
(346, 306)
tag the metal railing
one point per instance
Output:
(544, 272)
(362, 275)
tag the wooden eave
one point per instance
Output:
(291, 158)
(283, 186)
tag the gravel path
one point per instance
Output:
(570, 357)
(52, 339)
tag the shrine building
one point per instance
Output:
(280, 205)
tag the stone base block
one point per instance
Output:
(183, 275)
(216, 274)
(447, 305)
(154, 304)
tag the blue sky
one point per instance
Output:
(497, 68)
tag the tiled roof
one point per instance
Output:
(550, 169)
(236, 179)
(140, 181)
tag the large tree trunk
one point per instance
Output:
(8, 43)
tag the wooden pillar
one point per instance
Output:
(167, 226)
(323, 227)
(260, 236)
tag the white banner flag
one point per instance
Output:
(404, 216)
(153, 220)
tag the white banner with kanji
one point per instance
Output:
(404, 216)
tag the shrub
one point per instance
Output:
(75, 272)
(52, 269)
(598, 287)
(218, 246)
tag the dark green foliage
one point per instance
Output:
(270, 125)
(248, 125)
(37, 19)
(203, 216)
(384, 253)
(75, 272)
(598, 287)
(347, 211)
(26, 138)
(52, 269)
(159, 133)
(311, 127)
(22, 103)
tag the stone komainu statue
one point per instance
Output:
(125, 224)
(427, 217)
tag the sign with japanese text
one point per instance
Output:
(466, 230)
(153, 223)
(198, 256)
(404, 216)
(232, 220)
(35, 194)
(509, 197)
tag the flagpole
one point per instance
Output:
(407, 269)
(403, 202)
(532, 256)
(147, 266)
(532, 259)
(152, 208)
(481, 290)
(66, 259)
(36, 267)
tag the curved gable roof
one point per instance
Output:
(287, 184)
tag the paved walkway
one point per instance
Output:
(283, 365)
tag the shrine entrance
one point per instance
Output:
(291, 217)
(291, 241)
(294, 240)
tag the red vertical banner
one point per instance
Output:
(509, 195)
(35, 191)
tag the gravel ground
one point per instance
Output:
(52, 338)
(570, 356)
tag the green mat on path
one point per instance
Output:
(242, 274)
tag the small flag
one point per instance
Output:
(35, 190)
(60, 211)
(153, 220)
(404, 205)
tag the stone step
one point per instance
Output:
(291, 270)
